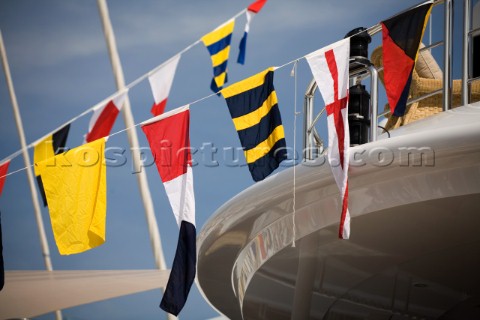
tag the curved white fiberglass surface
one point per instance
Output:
(414, 249)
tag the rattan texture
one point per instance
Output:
(419, 87)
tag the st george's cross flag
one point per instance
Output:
(401, 38)
(161, 80)
(329, 66)
(252, 10)
(168, 136)
(103, 118)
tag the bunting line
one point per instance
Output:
(115, 94)
(373, 29)
(144, 76)
(32, 144)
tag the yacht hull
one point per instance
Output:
(414, 249)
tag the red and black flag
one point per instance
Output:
(401, 37)
(47, 148)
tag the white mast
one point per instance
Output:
(133, 140)
(26, 158)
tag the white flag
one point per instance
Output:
(161, 81)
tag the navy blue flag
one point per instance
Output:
(183, 270)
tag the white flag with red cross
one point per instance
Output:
(329, 66)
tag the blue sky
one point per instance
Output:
(60, 67)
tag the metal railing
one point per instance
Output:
(313, 144)
(467, 57)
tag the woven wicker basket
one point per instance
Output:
(419, 87)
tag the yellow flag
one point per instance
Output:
(76, 188)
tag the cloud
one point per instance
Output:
(173, 25)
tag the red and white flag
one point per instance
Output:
(3, 174)
(161, 81)
(168, 136)
(329, 66)
(104, 117)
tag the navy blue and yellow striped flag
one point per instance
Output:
(218, 45)
(254, 109)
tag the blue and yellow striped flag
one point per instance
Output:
(218, 44)
(254, 109)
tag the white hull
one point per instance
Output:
(414, 249)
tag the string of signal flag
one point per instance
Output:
(123, 91)
(3, 174)
(77, 194)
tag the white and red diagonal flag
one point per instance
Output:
(161, 81)
(330, 69)
(104, 117)
(168, 136)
